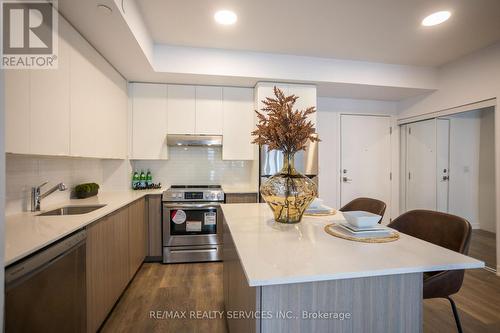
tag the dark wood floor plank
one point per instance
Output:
(179, 287)
(483, 247)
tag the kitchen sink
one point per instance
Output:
(71, 210)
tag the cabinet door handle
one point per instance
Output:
(346, 179)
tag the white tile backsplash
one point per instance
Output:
(198, 166)
(191, 165)
(25, 171)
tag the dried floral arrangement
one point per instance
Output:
(282, 127)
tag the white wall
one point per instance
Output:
(328, 123)
(470, 79)
(473, 78)
(486, 198)
(199, 166)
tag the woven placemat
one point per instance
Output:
(391, 238)
(330, 213)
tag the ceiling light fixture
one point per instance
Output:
(225, 17)
(106, 10)
(436, 18)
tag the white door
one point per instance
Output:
(403, 130)
(366, 159)
(442, 163)
(421, 165)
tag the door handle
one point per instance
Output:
(346, 179)
(446, 178)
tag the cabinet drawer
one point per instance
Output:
(192, 253)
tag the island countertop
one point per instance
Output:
(272, 253)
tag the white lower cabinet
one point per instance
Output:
(238, 123)
(149, 121)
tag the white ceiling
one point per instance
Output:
(373, 30)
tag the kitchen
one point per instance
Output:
(126, 97)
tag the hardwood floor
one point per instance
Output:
(177, 287)
(193, 287)
(478, 303)
(483, 247)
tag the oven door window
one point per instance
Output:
(193, 221)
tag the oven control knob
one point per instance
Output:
(212, 196)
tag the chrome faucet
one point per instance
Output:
(36, 197)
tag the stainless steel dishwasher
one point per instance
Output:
(47, 291)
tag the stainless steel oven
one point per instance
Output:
(192, 224)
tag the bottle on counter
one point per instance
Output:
(135, 180)
(149, 178)
(143, 179)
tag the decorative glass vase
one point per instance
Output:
(288, 192)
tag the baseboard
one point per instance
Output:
(475, 226)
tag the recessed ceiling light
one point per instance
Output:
(104, 9)
(225, 17)
(436, 18)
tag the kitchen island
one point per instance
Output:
(298, 278)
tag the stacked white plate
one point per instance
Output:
(364, 224)
(317, 207)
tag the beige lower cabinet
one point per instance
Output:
(154, 228)
(137, 235)
(241, 198)
(116, 246)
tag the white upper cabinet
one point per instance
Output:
(17, 111)
(85, 117)
(50, 103)
(111, 110)
(181, 108)
(208, 110)
(149, 121)
(78, 109)
(307, 97)
(98, 99)
(266, 89)
(238, 123)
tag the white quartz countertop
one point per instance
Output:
(235, 189)
(26, 233)
(273, 253)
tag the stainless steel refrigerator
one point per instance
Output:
(306, 162)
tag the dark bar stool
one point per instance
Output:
(367, 205)
(446, 230)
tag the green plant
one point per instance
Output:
(87, 188)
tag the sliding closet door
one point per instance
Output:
(443, 163)
(421, 165)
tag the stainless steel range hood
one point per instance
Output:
(194, 140)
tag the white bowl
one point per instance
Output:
(361, 219)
